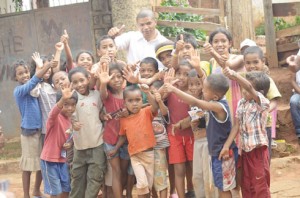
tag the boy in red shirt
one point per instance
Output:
(53, 158)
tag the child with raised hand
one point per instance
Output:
(218, 45)
(69, 59)
(31, 124)
(89, 163)
(111, 92)
(252, 115)
(182, 143)
(217, 128)
(254, 61)
(138, 130)
(53, 159)
(202, 174)
(162, 142)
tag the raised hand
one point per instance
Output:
(115, 31)
(129, 75)
(103, 73)
(179, 44)
(65, 37)
(105, 59)
(37, 59)
(195, 61)
(157, 96)
(169, 76)
(229, 73)
(67, 91)
(59, 46)
(134, 66)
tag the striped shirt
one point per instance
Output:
(253, 119)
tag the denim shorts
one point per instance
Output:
(123, 151)
(56, 177)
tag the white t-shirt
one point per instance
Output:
(138, 47)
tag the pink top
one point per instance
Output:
(56, 136)
(112, 127)
(178, 111)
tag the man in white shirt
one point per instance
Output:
(139, 44)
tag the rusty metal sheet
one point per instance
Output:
(23, 33)
(286, 9)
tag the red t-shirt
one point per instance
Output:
(112, 127)
(56, 136)
(138, 130)
(178, 111)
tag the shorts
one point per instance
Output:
(143, 166)
(123, 151)
(56, 177)
(224, 171)
(31, 151)
(160, 170)
(181, 149)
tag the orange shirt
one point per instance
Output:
(139, 131)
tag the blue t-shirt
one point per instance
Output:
(31, 117)
(218, 131)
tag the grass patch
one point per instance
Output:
(11, 150)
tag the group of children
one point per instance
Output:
(108, 124)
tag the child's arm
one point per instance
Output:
(59, 47)
(225, 150)
(195, 62)
(154, 106)
(162, 107)
(236, 62)
(65, 39)
(221, 59)
(245, 84)
(179, 47)
(182, 124)
(121, 141)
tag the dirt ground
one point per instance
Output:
(285, 173)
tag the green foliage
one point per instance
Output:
(18, 5)
(279, 24)
(174, 31)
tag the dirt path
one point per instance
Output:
(285, 173)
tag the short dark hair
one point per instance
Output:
(254, 50)
(19, 63)
(158, 84)
(186, 63)
(150, 60)
(218, 83)
(78, 70)
(187, 38)
(59, 95)
(129, 89)
(259, 80)
(220, 30)
(145, 12)
(102, 38)
(193, 73)
(84, 51)
(63, 72)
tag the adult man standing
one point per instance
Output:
(139, 44)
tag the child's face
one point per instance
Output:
(147, 70)
(195, 86)
(187, 51)
(221, 44)
(166, 58)
(80, 83)
(253, 62)
(116, 83)
(85, 60)
(182, 75)
(69, 107)
(59, 80)
(22, 74)
(108, 47)
(134, 101)
(208, 94)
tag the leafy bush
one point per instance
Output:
(174, 31)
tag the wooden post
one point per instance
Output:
(242, 21)
(271, 47)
